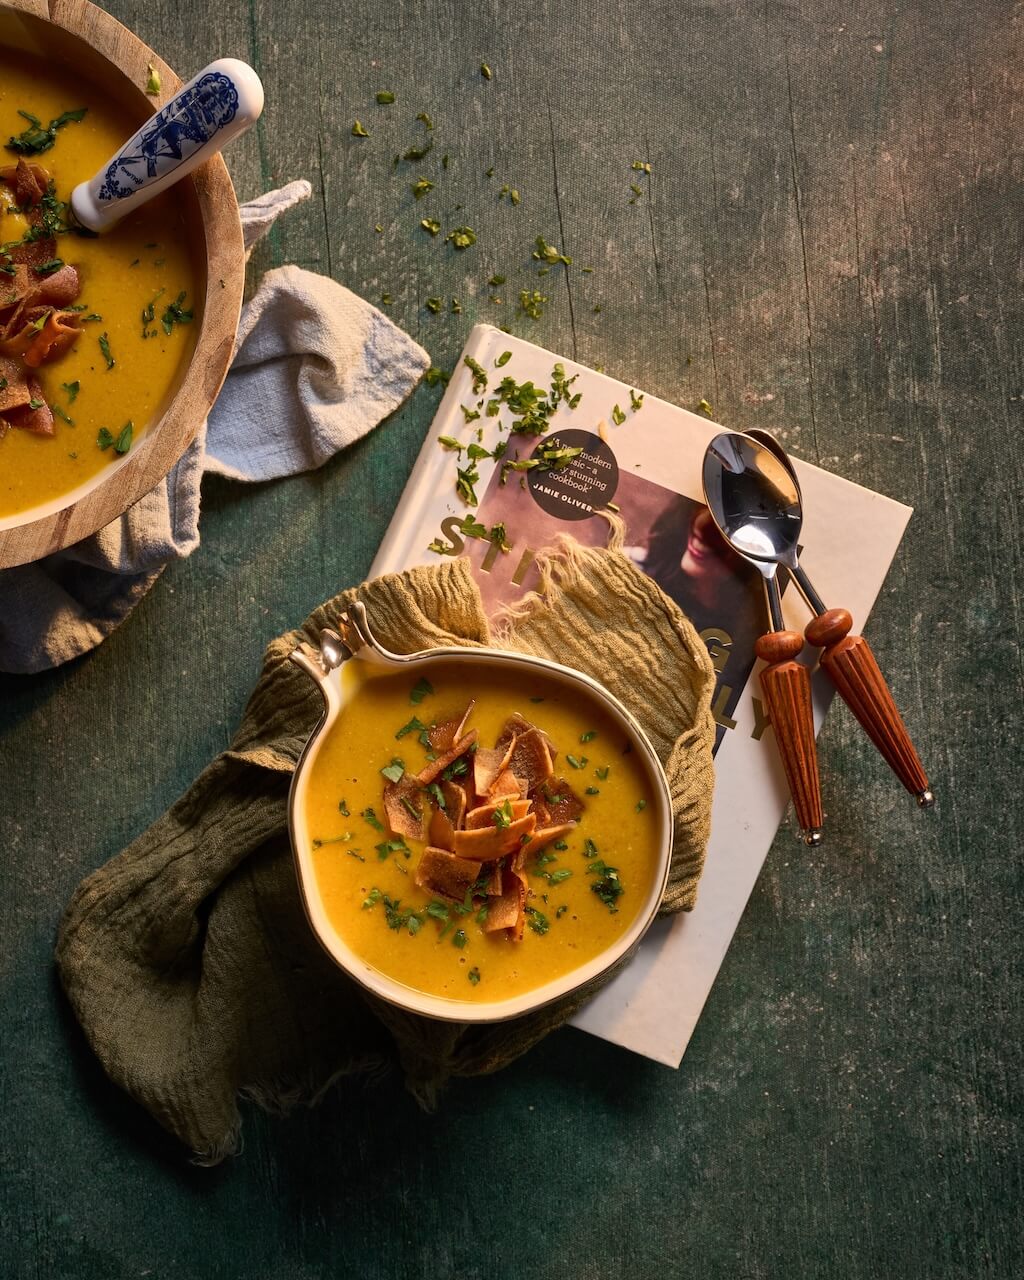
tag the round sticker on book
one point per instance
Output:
(576, 474)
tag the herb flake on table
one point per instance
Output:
(486, 71)
(545, 252)
(461, 237)
(431, 225)
(358, 130)
(385, 98)
(420, 187)
(425, 120)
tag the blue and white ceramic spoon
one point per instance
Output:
(221, 102)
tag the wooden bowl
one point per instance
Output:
(108, 53)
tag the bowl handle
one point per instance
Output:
(221, 102)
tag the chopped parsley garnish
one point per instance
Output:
(456, 769)
(395, 770)
(358, 131)
(420, 690)
(387, 847)
(503, 359)
(589, 736)
(385, 98)
(593, 791)
(58, 412)
(485, 71)
(532, 301)
(105, 351)
(577, 762)
(602, 774)
(434, 305)
(561, 845)
(415, 725)
(545, 252)
(642, 166)
(704, 408)
(462, 237)
(343, 808)
(420, 187)
(425, 120)
(589, 848)
(418, 153)
(176, 314)
(479, 375)
(437, 794)
(431, 225)
(36, 139)
(641, 805)
(495, 282)
(36, 404)
(435, 377)
(466, 478)
(152, 80)
(503, 815)
(609, 887)
(618, 417)
(48, 268)
(372, 819)
(459, 938)
(537, 921)
(474, 975)
(122, 442)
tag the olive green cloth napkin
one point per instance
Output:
(188, 959)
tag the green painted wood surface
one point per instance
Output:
(831, 248)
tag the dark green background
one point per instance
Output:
(829, 246)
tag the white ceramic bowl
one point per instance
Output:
(354, 642)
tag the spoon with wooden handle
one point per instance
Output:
(851, 665)
(756, 507)
(218, 104)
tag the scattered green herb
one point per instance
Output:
(532, 301)
(434, 305)
(485, 71)
(58, 412)
(636, 402)
(420, 690)
(105, 350)
(425, 120)
(395, 770)
(537, 921)
(462, 237)
(48, 268)
(176, 314)
(372, 819)
(152, 80)
(431, 225)
(36, 139)
(358, 130)
(474, 975)
(602, 774)
(343, 808)
(641, 805)
(609, 887)
(618, 417)
(418, 153)
(545, 252)
(385, 98)
(420, 187)
(479, 375)
(704, 408)
(435, 377)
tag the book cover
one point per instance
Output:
(606, 446)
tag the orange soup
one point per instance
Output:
(475, 843)
(127, 333)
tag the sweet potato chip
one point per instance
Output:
(507, 784)
(556, 802)
(531, 758)
(483, 816)
(407, 808)
(486, 843)
(543, 836)
(445, 874)
(444, 734)
(517, 725)
(431, 771)
(488, 765)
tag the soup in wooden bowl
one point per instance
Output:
(477, 832)
(112, 347)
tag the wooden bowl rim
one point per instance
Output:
(170, 435)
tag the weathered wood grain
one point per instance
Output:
(830, 248)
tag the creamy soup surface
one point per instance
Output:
(137, 279)
(585, 889)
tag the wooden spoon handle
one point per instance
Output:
(851, 666)
(786, 686)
